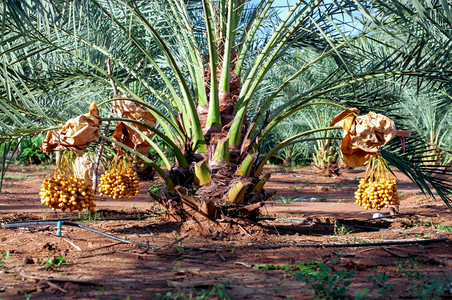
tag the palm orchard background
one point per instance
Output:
(232, 84)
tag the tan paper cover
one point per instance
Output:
(131, 110)
(76, 134)
(364, 136)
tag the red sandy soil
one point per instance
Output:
(225, 256)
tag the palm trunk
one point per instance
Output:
(222, 182)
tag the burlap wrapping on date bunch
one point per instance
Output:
(131, 110)
(363, 136)
(76, 134)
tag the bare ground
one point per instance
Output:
(243, 260)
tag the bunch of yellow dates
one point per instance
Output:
(378, 189)
(120, 182)
(66, 192)
(377, 194)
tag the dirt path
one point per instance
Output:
(244, 261)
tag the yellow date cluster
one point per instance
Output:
(67, 192)
(119, 184)
(377, 193)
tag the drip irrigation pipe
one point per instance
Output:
(441, 238)
(351, 245)
(365, 227)
(37, 223)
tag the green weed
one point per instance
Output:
(408, 268)
(329, 282)
(430, 289)
(18, 176)
(285, 200)
(52, 263)
(444, 228)
(90, 217)
(284, 268)
(300, 187)
(341, 230)
(28, 296)
(378, 281)
(296, 189)
(176, 266)
(3, 260)
(326, 283)
(134, 207)
(418, 285)
(178, 244)
(217, 291)
(156, 210)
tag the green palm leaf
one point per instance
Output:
(415, 164)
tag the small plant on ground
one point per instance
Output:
(330, 282)
(178, 244)
(89, 216)
(326, 283)
(27, 296)
(54, 262)
(217, 291)
(297, 189)
(18, 176)
(134, 207)
(445, 228)
(284, 268)
(408, 268)
(378, 281)
(286, 200)
(156, 210)
(419, 285)
(433, 289)
(342, 229)
(3, 260)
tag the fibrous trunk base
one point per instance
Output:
(213, 200)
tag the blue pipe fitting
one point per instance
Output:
(59, 225)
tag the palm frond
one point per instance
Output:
(429, 177)
(7, 149)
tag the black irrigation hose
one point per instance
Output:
(352, 245)
(37, 223)
(364, 227)
(410, 242)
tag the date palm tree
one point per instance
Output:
(200, 68)
(430, 117)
